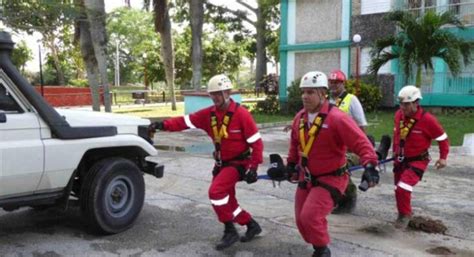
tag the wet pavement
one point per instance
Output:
(177, 219)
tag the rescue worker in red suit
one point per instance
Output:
(321, 135)
(351, 105)
(238, 152)
(414, 130)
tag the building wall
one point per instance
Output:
(371, 27)
(324, 61)
(318, 21)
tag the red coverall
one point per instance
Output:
(417, 142)
(242, 134)
(338, 134)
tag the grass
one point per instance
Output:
(152, 111)
(455, 125)
(265, 118)
(380, 122)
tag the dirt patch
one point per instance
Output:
(379, 229)
(440, 250)
(427, 224)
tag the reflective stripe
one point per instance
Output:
(442, 137)
(188, 122)
(237, 211)
(220, 202)
(254, 138)
(405, 186)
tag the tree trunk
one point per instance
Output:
(418, 76)
(90, 62)
(261, 67)
(87, 52)
(96, 16)
(163, 26)
(49, 42)
(197, 17)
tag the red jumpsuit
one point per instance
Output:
(339, 133)
(242, 134)
(417, 142)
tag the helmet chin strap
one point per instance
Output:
(226, 102)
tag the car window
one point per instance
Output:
(7, 102)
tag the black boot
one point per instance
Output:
(253, 229)
(230, 236)
(321, 251)
(348, 201)
(384, 147)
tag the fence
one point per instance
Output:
(73, 96)
(442, 89)
(464, 10)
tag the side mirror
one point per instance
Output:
(3, 117)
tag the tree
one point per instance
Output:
(419, 40)
(92, 37)
(21, 55)
(266, 13)
(163, 27)
(48, 19)
(133, 31)
(196, 8)
(95, 11)
(219, 52)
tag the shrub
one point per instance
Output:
(295, 103)
(79, 82)
(270, 105)
(369, 96)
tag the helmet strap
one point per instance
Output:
(226, 102)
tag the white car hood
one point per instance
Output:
(124, 123)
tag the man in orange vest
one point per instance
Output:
(320, 137)
(238, 152)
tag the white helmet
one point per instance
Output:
(314, 79)
(409, 94)
(219, 83)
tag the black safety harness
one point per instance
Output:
(218, 134)
(405, 130)
(341, 98)
(306, 148)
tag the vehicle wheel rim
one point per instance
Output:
(119, 196)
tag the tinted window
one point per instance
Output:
(7, 103)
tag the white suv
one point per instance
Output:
(49, 156)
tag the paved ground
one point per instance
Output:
(177, 219)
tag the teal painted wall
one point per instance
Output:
(193, 103)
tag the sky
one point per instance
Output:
(110, 5)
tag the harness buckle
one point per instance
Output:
(218, 163)
(307, 176)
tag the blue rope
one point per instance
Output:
(351, 169)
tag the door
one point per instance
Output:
(21, 147)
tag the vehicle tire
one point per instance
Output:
(112, 195)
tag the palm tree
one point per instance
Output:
(419, 40)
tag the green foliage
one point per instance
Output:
(370, 95)
(419, 40)
(221, 53)
(79, 82)
(138, 52)
(52, 19)
(21, 55)
(44, 17)
(295, 103)
(270, 105)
